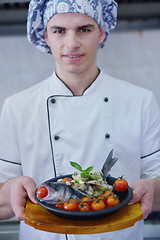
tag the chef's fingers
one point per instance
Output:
(21, 188)
(30, 188)
(143, 193)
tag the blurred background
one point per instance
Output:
(132, 53)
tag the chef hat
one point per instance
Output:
(104, 12)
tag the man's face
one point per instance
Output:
(74, 39)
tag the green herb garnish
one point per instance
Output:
(84, 173)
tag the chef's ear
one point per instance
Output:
(102, 35)
(46, 37)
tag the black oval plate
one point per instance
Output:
(124, 198)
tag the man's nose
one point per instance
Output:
(72, 41)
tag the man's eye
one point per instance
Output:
(59, 31)
(84, 30)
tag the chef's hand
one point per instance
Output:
(19, 189)
(143, 193)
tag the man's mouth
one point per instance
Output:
(73, 56)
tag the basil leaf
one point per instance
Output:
(92, 176)
(84, 175)
(88, 170)
(76, 165)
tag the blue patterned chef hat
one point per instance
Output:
(104, 12)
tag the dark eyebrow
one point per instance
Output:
(57, 27)
(86, 26)
(80, 27)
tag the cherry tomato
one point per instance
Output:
(107, 193)
(71, 205)
(121, 185)
(98, 205)
(42, 192)
(87, 200)
(84, 207)
(112, 201)
(100, 198)
(66, 179)
(60, 205)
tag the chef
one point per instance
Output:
(78, 114)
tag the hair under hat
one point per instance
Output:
(104, 12)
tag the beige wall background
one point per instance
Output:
(133, 56)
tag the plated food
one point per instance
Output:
(85, 194)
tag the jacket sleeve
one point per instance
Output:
(150, 157)
(10, 165)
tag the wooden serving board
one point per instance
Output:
(40, 218)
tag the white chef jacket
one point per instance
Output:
(44, 127)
